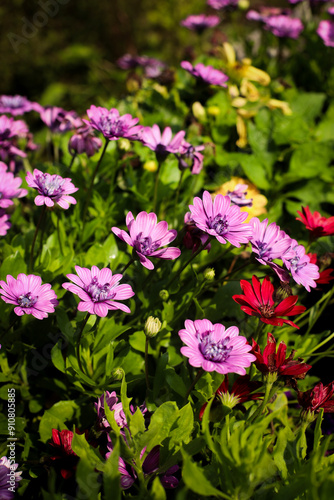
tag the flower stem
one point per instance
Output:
(156, 184)
(146, 363)
(72, 161)
(127, 265)
(35, 236)
(194, 382)
(79, 340)
(199, 249)
(270, 390)
(90, 189)
(178, 193)
(9, 328)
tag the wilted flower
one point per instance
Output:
(161, 144)
(84, 141)
(9, 187)
(221, 220)
(321, 396)
(326, 32)
(4, 224)
(213, 348)
(272, 362)
(316, 223)
(29, 295)
(284, 26)
(206, 74)
(200, 22)
(258, 301)
(147, 237)
(66, 459)
(17, 105)
(99, 290)
(8, 476)
(52, 189)
(111, 124)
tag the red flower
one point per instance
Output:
(315, 223)
(62, 440)
(242, 391)
(258, 301)
(325, 274)
(318, 397)
(270, 361)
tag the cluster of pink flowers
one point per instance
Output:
(200, 22)
(278, 21)
(9, 189)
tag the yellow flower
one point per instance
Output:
(259, 200)
(243, 69)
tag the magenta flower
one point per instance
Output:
(213, 348)
(98, 290)
(221, 220)
(53, 117)
(162, 144)
(326, 31)
(29, 295)
(10, 128)
(200, 22)
(147, 237)
(9, 187)
(190, 157)
(7, 468)
(222, 4)
(17, 105)
(52, 189)
(117, 408)
(265, 12)
(284, 26)
(152, 67)
(84, 141)
(269, 242)
(111, 124)
(206, 74)
(302, 271)
(4, 224)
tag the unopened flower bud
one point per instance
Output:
(152, 326)
(243, 4)
(213, 110)
(118, 373)
(209, 274)
(164, 295)
(198, 111)
(150, 166)
(282, 292)
(124, 144)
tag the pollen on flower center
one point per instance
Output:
(295, 264)
(99, 292)
(145, 245)
(267, 311)
(111, 126)
(215, 351)
(26, 300)
(219, 224)
(51, 186)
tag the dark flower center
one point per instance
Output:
(112, 126)
(239, 198)
(217, 352)
(267, 311)
(50, 186)
(26, 300)
(98, 292)
(295, 266)
(4, 134)
(219, 224)
(263, 249)
(145, 245)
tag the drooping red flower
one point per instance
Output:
(271, 361)
(66, 458)
(242, 391)
(325, 274)
(321, 396)
(258, 301)
(316, 223)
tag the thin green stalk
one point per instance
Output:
(321, 310)
(72, 161)
(9, 328)
(58, 234)
(259, 329)
(156, 184)
(31, 267)
(127, 265)
(178, 193)
(194, 382)
(146, 363)
(200, 248)
(270, 391)
(79, 340)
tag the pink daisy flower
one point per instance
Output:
(326, 31)
(206, 74)
(221, 220)
(29, 295)
(200, 22)
(98, 290)
(302, 271)
(147, 237)
(111, 124)
(213, 348)
(162, 143)
(9, 187)
(4, 224)
(269, 242)
(17, 105)
(52, 189)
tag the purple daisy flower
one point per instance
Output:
(147, 237)
(265, 12)
(206, 74)
(238, 196)
(117, 408)
(222, 4)
(7, 475)
(98, 290)
(10, 128)
(111, 124)
(200, 22)
(161, 144)
(221, 220)
(284, 26)
(52, 189)
(4, 224)
(269, 242)
(190, 157)
(213, 348)
(17, 105)
(302, 271)
(29, 295)
(84, 141)
(9, 187)
(326, 31)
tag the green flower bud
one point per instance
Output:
(117, 373)
(209, 274)
(164, 295)
(152, 326)
(124, 144)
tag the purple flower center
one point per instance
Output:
(12, 101)
(239, 198)
(4, 134)
(295, 266)
(219, 224)
(217, 352)
(111, 126)
(50, 186)
(145, 245)
(264, 251)
(26, 300)
(98, 292)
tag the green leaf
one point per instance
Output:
(83, 449)
(111, 475)
(55, 418)
(13, 265)
(317, 431)
(160, 426)
(311, 159)
(87, 477)
(158, 491)
(253, 170)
